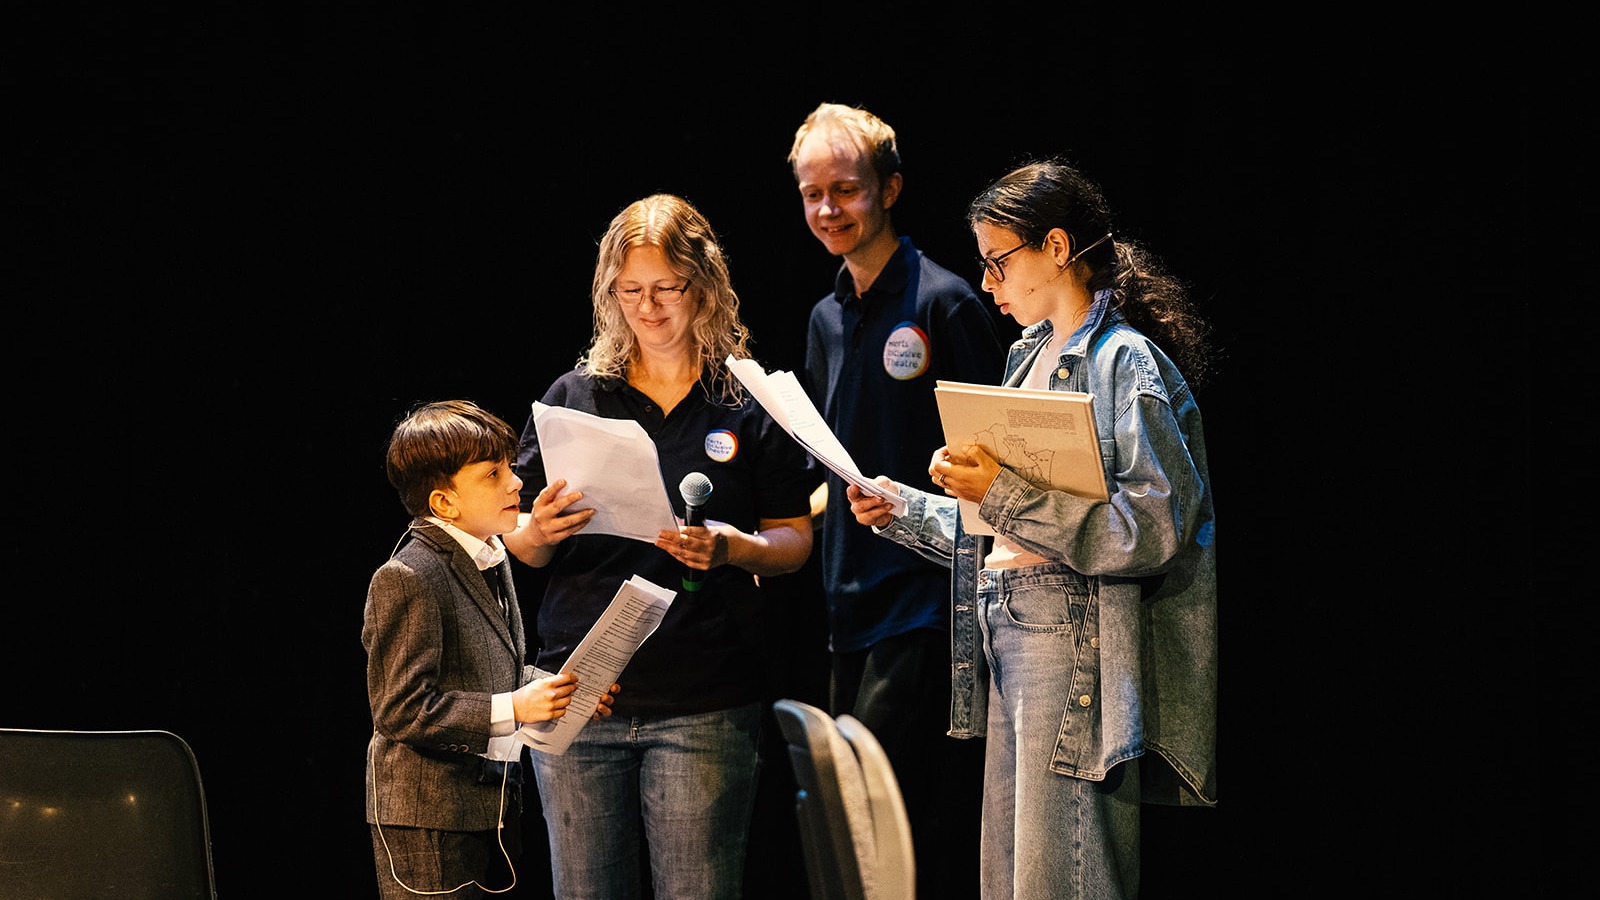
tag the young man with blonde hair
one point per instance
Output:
(894, 323)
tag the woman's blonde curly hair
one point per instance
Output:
(691, 247)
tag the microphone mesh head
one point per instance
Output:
(695, 488)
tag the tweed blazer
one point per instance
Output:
(438, 647)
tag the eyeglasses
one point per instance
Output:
(669, 296)
(991, 264)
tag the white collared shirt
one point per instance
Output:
(485, 554)
(502, 717)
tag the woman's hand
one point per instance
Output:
(777, 547)
(603, 707)
(868, 509)
(551, 521)
(965, 475)
(701, 547)
(549, 524)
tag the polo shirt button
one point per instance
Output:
(1083, 700)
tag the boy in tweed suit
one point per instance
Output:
(445, 673)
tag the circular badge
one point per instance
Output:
(905, 353)
(722, 446)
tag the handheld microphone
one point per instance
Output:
(695, 488)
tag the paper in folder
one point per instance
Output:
(1047, 437)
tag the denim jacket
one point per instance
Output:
(1149, 554)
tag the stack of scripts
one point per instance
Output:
(599, 658)
(781, 395)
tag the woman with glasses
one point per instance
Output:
(677, 768)
(1084, 629)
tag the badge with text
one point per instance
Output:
(722, 445)
(905, 353)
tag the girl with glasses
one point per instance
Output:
(1085, 630)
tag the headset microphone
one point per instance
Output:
(1070, 260)
(1046, 281)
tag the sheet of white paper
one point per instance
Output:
(600, 657)
(613, 462)
(782, 396)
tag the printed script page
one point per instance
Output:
(613, 462)
(631, 617)
(782, 396)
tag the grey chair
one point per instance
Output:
(853, 827)
(86, 815)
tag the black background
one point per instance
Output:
(246, 241)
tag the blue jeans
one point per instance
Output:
(688, 780)
(1047, 836)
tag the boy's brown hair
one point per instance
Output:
(436, 440)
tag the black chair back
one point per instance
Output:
(853, 828)
(86, 815)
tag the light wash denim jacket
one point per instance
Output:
(1149, 553)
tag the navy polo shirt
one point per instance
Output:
(707, 652)
(871, 364)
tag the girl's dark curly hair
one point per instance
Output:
(1044, 194)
